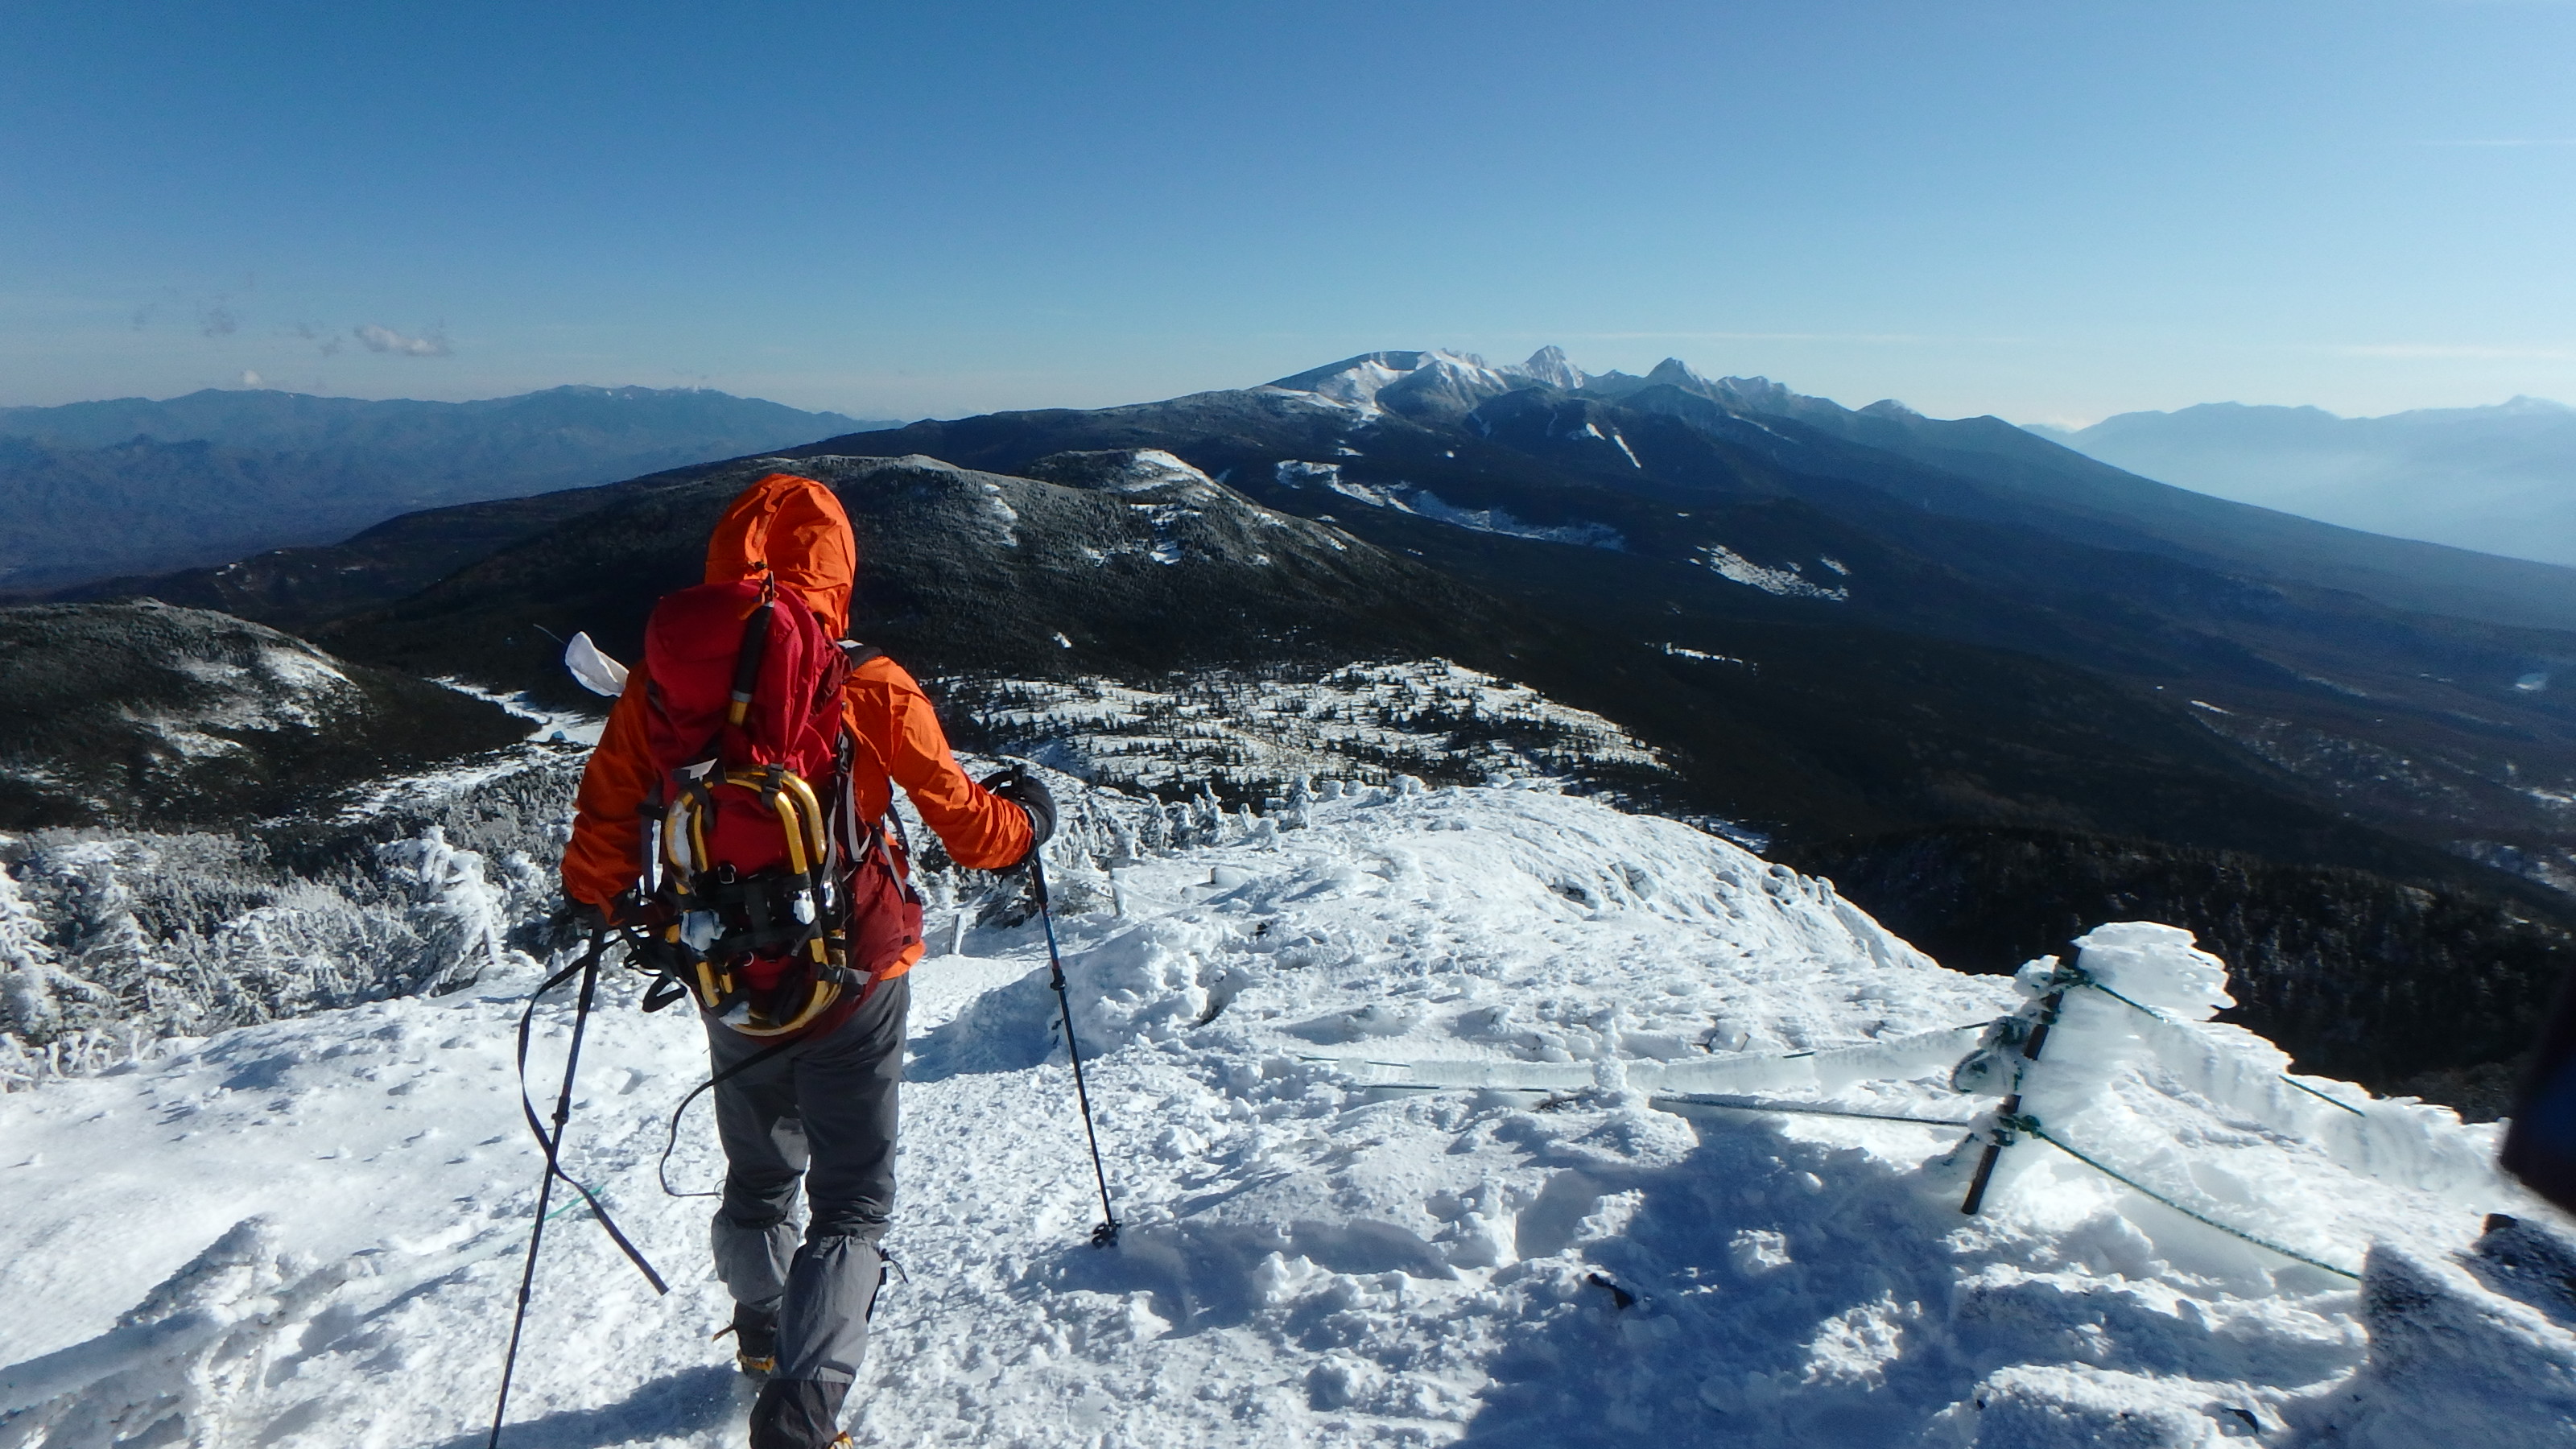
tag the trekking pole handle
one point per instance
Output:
(1037, 847)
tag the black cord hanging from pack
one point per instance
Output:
(671, 1143)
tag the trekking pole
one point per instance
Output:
(1107, 1233)
(588, 968)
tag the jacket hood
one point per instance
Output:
(793, 527)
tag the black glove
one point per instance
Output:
(572, 923)
(1024, 790)
(581, 918)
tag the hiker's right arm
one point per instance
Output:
(605, 856)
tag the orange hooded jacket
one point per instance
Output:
(796, 527)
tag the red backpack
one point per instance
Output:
(780, 904)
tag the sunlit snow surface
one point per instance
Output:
(1789, 582)
(1318, 1250)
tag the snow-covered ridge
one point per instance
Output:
(1251, 737)
(1450, 383)
(135, 710)
(1358, 382)
(241, 678)
(1317, 1252)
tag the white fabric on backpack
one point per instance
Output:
(594, 671)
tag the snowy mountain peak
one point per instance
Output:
(1437, 375)
(1436, 382)
(1739, 395)
(1550, 365)
(1673, 372)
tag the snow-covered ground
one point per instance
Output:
(1434, 1117)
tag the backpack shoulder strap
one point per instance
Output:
(857, 653)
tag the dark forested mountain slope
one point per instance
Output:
(1801, 717)
(143, 714)
(2431, 992)
(1128, 567)
(1994, 469)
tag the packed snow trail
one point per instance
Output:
(1377, 1088)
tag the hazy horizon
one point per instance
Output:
(865, 413)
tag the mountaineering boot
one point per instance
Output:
(755, 1339)
(798, 1414)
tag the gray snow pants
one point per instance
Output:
(822, 1111)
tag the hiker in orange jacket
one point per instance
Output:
(821, 1108)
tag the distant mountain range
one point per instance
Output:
(2498, 479)
(133, 485)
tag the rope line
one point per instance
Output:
(2069, 975)
(1759, 1105)
(1327, 1059)
(2081, 977)
(1689, 1099)
(2078, 976)
(2322, 1097)
(569, 1208)
(2030, 1125)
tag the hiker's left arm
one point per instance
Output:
(982, 830)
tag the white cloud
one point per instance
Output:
(249, 378)
(386, 339)
(2457, 350)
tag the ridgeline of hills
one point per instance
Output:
(2501, 479)
(1950, 662)
(141, 712)
(216, 475)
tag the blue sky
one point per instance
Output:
(2048, 211)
